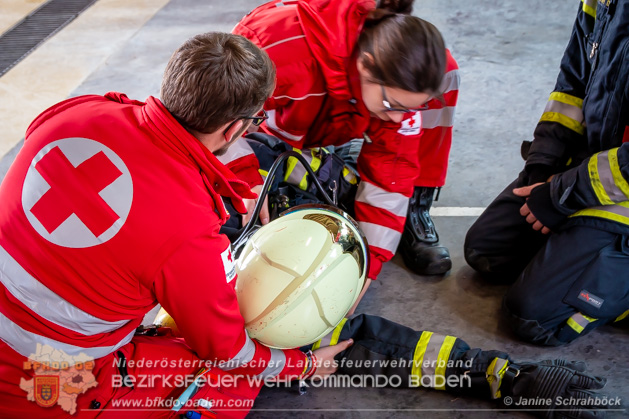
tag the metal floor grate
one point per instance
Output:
(34, 29)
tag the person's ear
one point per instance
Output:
(365, 58)
(234, 129)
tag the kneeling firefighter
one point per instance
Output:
(298, 277)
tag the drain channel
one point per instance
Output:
(34, 29)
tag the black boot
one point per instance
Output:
(420, 247)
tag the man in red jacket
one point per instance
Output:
(113, 206)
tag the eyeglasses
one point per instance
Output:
(256, 120)
(389, 108)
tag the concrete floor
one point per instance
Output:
(509, 54)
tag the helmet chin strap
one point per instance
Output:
(248, 229)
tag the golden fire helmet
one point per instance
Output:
(299, 275)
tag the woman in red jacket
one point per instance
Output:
(348, 69)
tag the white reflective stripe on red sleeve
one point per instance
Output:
(381, 236)
(275, 365)
(26, 343)
(377, 197)
(239, 149)
(41, 300)
(244, 356)
(272, 123)
(440, 117)
(301, 97)
(450, 82)
(283, 41)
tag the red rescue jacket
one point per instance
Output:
(110, 208)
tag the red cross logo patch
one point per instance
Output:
(412, 125)
(77, 193)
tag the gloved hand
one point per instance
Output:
(559, 388)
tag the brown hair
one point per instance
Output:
(408, 52)
(215, 78)
(404, 7)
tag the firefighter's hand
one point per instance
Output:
(526, 212)
(326, 364)
(251, 203)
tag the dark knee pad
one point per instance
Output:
(530, 330)
(494, 269)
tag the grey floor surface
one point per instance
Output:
(508, 52)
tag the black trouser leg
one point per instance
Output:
(578, 281)
(411, 358)
(501, 243)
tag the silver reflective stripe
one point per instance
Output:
(274, 44)
(271, 123)
(275, 366)
(451, 81)
(299, 171)
(579, 322)
(607, 178)
(326, 340)
(41, 300)
(244, 356)
(25, 343)
(240, 148)
(431, 356)
(442, 117)
(375, 196)
(381, 236)
(300, 98)
(571, 111)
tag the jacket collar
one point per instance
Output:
(218, 178)
(331, 29)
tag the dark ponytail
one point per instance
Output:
(404, 7)
(408, 52)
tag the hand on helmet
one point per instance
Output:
(250, 205)
(326, 364)
(560, 388)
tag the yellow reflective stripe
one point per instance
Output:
(589, 7)
(619, 179)
(576, 326)
(337, 332)
(563, 120)
(264, 173)
(622, 316)
(316, 345)
(442, 360)
(605, 213)
(418, 358)
(349, 176)
(567, 99)
(595, 180)
(494, 374)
